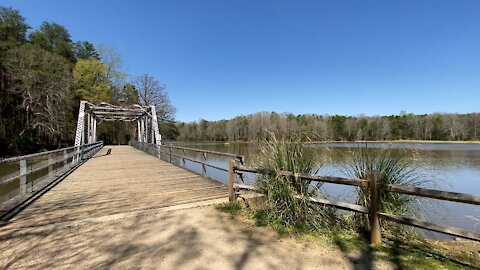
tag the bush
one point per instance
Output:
(395, 167)
(287, 198)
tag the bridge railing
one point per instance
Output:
(170, 152)
(23, 175)
(373, 188)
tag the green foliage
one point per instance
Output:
(395, 167)
(91, 81)
(233, 209)
(287, 197)
(129, 94)
(85, 50)
(55, 38)
(338, 127)
(13, 28)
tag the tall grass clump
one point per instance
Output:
(287, 198)
(395, 166)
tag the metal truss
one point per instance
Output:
(146, 117)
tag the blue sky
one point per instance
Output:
(220, 59)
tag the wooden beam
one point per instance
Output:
(434, 194)
(339, 205)
(303, 176)
(431, 226)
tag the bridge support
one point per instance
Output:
(89, 114)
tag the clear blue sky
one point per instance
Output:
(224, 58)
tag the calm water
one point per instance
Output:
(451, 167)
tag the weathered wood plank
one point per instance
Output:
(434, 194)
(431, 226)
(325, 179)
(339, 205)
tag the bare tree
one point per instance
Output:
(43, 82)
(152, 93)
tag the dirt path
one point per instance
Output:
(195, 238)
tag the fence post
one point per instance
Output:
(183, 158)
(204, 169)
(375, 231)
(23, 176)
(170, 152)
(50, 165)
(231, 179)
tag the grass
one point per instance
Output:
(287, 200)
(395, 166)
(404, 254)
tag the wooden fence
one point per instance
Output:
(236, 167)
(374, 187)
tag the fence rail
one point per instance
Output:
(27, 178)
(374, 188)
(161, 152)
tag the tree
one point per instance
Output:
(13, 28)
(41, 83)
(85, 50)
(152, 93)
(129, 94)
(55, 38)
(112, 59)
(91, 82)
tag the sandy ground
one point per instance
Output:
(194, 238)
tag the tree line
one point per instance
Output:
(43, 76)
(405, 126)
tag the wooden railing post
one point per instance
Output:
(375, 231)
(204, 169)
(183, 158)
(23, 176)
(231, 180)
(170, 152)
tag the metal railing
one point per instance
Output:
(168, 152)
(373, 187)
(30, 173)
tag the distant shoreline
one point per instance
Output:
(402, 141)
(327, 142)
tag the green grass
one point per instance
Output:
(395, 166)
(233, 209)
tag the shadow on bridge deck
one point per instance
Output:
(125, 182)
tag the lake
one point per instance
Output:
(450, 167)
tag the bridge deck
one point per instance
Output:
(126, 181)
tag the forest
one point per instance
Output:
(43, 76)
(313, 127)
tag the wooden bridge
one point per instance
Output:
(124, 182)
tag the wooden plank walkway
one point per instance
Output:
(125, 182)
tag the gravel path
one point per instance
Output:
(194, 238)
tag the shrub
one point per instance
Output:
(287, 198)
(395, 166)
